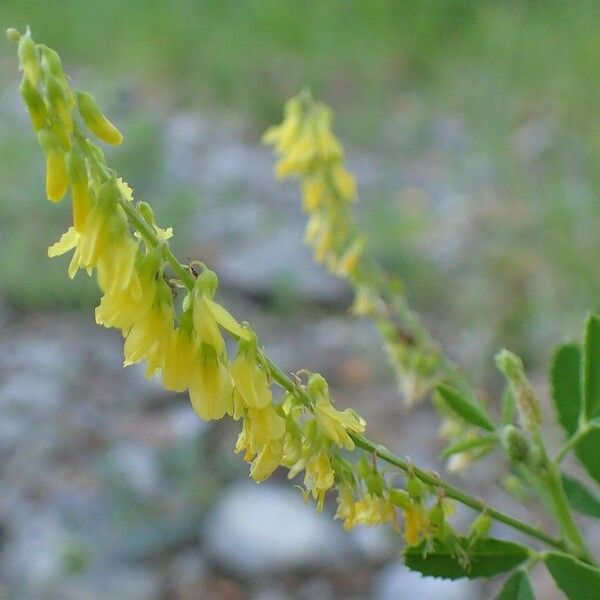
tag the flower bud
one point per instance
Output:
(416, 488)
(35, 104)
(400, 498)
(528, 404)
(516, 444)
(375, 483)
(28, 58)
(57, 178)
(51, 63)
(77, 169)
(96, 121)
(13, 34)
(59, 101)
(480, 527)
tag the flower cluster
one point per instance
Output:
(309, 150)
(184, 340)
(180, 340)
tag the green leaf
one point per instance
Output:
(517, 587)
(565, 376)
(566, 385)
(484, 443)
(587, 452)
(591, 368)
(580, 498)
(467, 409)
(576, 579)
(486, 558)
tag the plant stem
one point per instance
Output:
(562, 511)
(582, 431)
(282, 379)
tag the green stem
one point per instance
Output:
(564, 516)
(573, 441)
(281, 378)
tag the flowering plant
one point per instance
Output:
(170, 318)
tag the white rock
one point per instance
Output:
(255, 529)
(397, 582)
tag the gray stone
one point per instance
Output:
(136, 466)
(375, 543)
(256, 529)
(33, 561)
(397, 582)
(279, 260)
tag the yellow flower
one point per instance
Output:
(373, 510)
(346, 510)
(333, 423)
(319, 476)
(416, 522)
(182, 359)
(96, 121)
(265, 425)
(123, 308)
(267, 461)
(67, 241)
(77, 168)
(149, 335)
(115, 267)
(344, 182)
(314, 193)
(125, 189)
(252, 389)
(211, 389)
(283, 136)
(105, 226)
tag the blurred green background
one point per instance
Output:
(516, 82)
(473, 128)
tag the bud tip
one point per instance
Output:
(13, 34)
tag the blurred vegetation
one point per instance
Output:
(520, 77)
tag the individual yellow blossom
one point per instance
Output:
(283, 136)
(104, 227)
(123, 308)
(115, 268)
(96, 121)
(149, 336)
(211, 388)
(365, 304)
(314, 193)
(319, 476)
(346, 510)
(330, 149)
(344, 182)
(58, 101)
(263, 425)
(252, 389)
(323, 244)
(314, 228)
(80, 192)
(267, 460)
(125, 189)
(29, 58)
(35, 104)
(67, 241)
(373, 510)
(182, 359)
(335, 424)
(350, 260)
(416, 524)
(57, 177)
